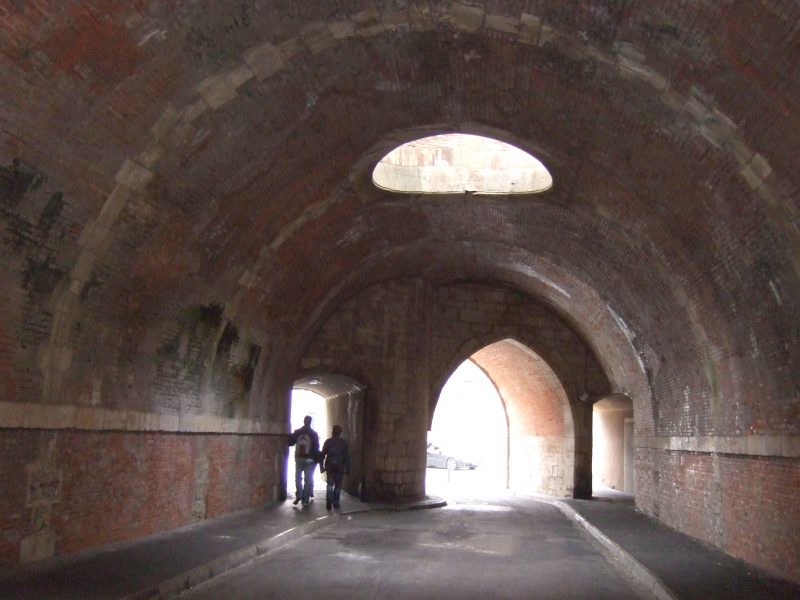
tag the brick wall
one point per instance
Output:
(66, 491)
(759, 515)
(541, 431)
(742, 504)
(154, 161)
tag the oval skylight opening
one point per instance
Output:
(458, 163)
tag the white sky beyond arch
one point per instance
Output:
(457, 163)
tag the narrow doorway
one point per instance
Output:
(307, 403)
(612, 445)
(331, 399)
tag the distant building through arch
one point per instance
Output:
(457, 163)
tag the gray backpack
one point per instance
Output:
(302, 448)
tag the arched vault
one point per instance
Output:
(187, 213)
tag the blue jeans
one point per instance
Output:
(334, 488)
(304, 478)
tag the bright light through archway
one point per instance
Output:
(305, 402)
(470, 424)
(457, 163)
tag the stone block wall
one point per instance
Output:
(347, 410)
(380, 339)
(543, 464)
(404, 338)
(468, 317)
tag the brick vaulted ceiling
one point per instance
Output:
(161, 155)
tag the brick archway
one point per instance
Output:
(181, 206)
(541, 432)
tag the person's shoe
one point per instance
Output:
(306, 503)
(328, 504)
(336, 505)
(296, 500)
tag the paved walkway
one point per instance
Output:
(686, 567)
(166, 564)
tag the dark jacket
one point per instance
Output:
(335, 455)
(314, 454)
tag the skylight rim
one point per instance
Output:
(456, 164)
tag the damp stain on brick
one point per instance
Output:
(215, 365)
(16, 181)
(210, 315)
(94, 282)
(195, 324)
(40, 277)
(19, 185)
(249, 370)
(51, 212)
(234, 369)
(208, 40)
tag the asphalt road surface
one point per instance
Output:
(501, 547)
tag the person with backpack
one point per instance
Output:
(306, 452)
(335, 460)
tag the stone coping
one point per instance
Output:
(24, 415)
(781, 445)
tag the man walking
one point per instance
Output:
(306, 451)
(335, 460)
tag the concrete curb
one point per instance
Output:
(174, 586)
(187, 580)
(428, 502)
(644, 576)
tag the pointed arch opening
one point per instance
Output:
(468, 438)
(540, 429)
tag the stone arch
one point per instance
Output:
(539, 413)
(470, 347)
(720, 385)
(498, 396)
(344, 400)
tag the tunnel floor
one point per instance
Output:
(487, 548)
(484, 543)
